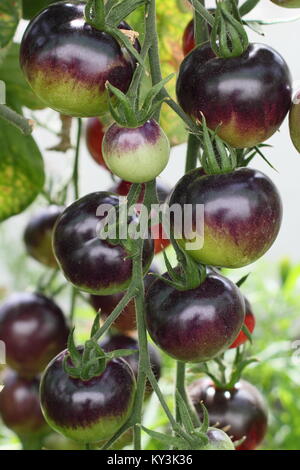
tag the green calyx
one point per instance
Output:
(123, 107)
(228, 36)
(92, 361)
(217, 157)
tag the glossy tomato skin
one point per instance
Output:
(249, 323)
(33, 329)
(136, 155)
(67, 62)
(87, 411)
(38, 235)
(94, 138)
(20, 405)
(111, 343)
(90, 263)
(126, 322)
(294, 121)
(245, 98)
(242, 215)
(195, 325)
(287, 3)
(218, 440)
(241, 411)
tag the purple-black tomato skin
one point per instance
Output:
(20, 405)
(242, 411)
(91, 264)
(87, 411)
(195, 325)
(242, 215)
(249, 322)
(245, 98)
(38, 235)
(67, 62)
(34, 330)
(114, 342)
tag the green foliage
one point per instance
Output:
(21, 171)
(10, 14)
(17, 89)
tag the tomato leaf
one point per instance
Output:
(10, 14)
(21, 171)
(16, 85)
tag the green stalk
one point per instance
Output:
(75, 175)
(23, 124)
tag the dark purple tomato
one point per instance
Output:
(287, 3)
(249, 323)
(20, 405)
(242, 216)
(89, 262)
(195, 325)
(67, 62)
(136, 154)
(111, 343)
(38, 235)
(126, 322)
(218, 440)
(94, 137)
(87, 411)
(245, 98)
(241, 411)
(294, 121)
(33, 329)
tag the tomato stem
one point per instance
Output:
(75, 177)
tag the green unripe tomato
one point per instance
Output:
(294, 121)
(218, 440)
(137, 154)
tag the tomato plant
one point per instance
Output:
(241, 411)
(87, 411)
(81, 59)
(24, 317)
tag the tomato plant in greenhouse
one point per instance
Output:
(175, 102)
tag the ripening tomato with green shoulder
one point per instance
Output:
(87, 411)
(245, 99)
(136, 155)
(67, 62)
(287, 3)
(242, 216)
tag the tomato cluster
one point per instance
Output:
(68, 63)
